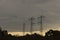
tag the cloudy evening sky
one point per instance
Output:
(14, 12)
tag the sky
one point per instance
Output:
(14, 12)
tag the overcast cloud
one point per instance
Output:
(13, 12)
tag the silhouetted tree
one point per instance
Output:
(52, 35)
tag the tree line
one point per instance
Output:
(50, 35)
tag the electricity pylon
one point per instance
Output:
(41, 23)
(23, 29)
(31, 29)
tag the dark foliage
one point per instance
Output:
(50, 35)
